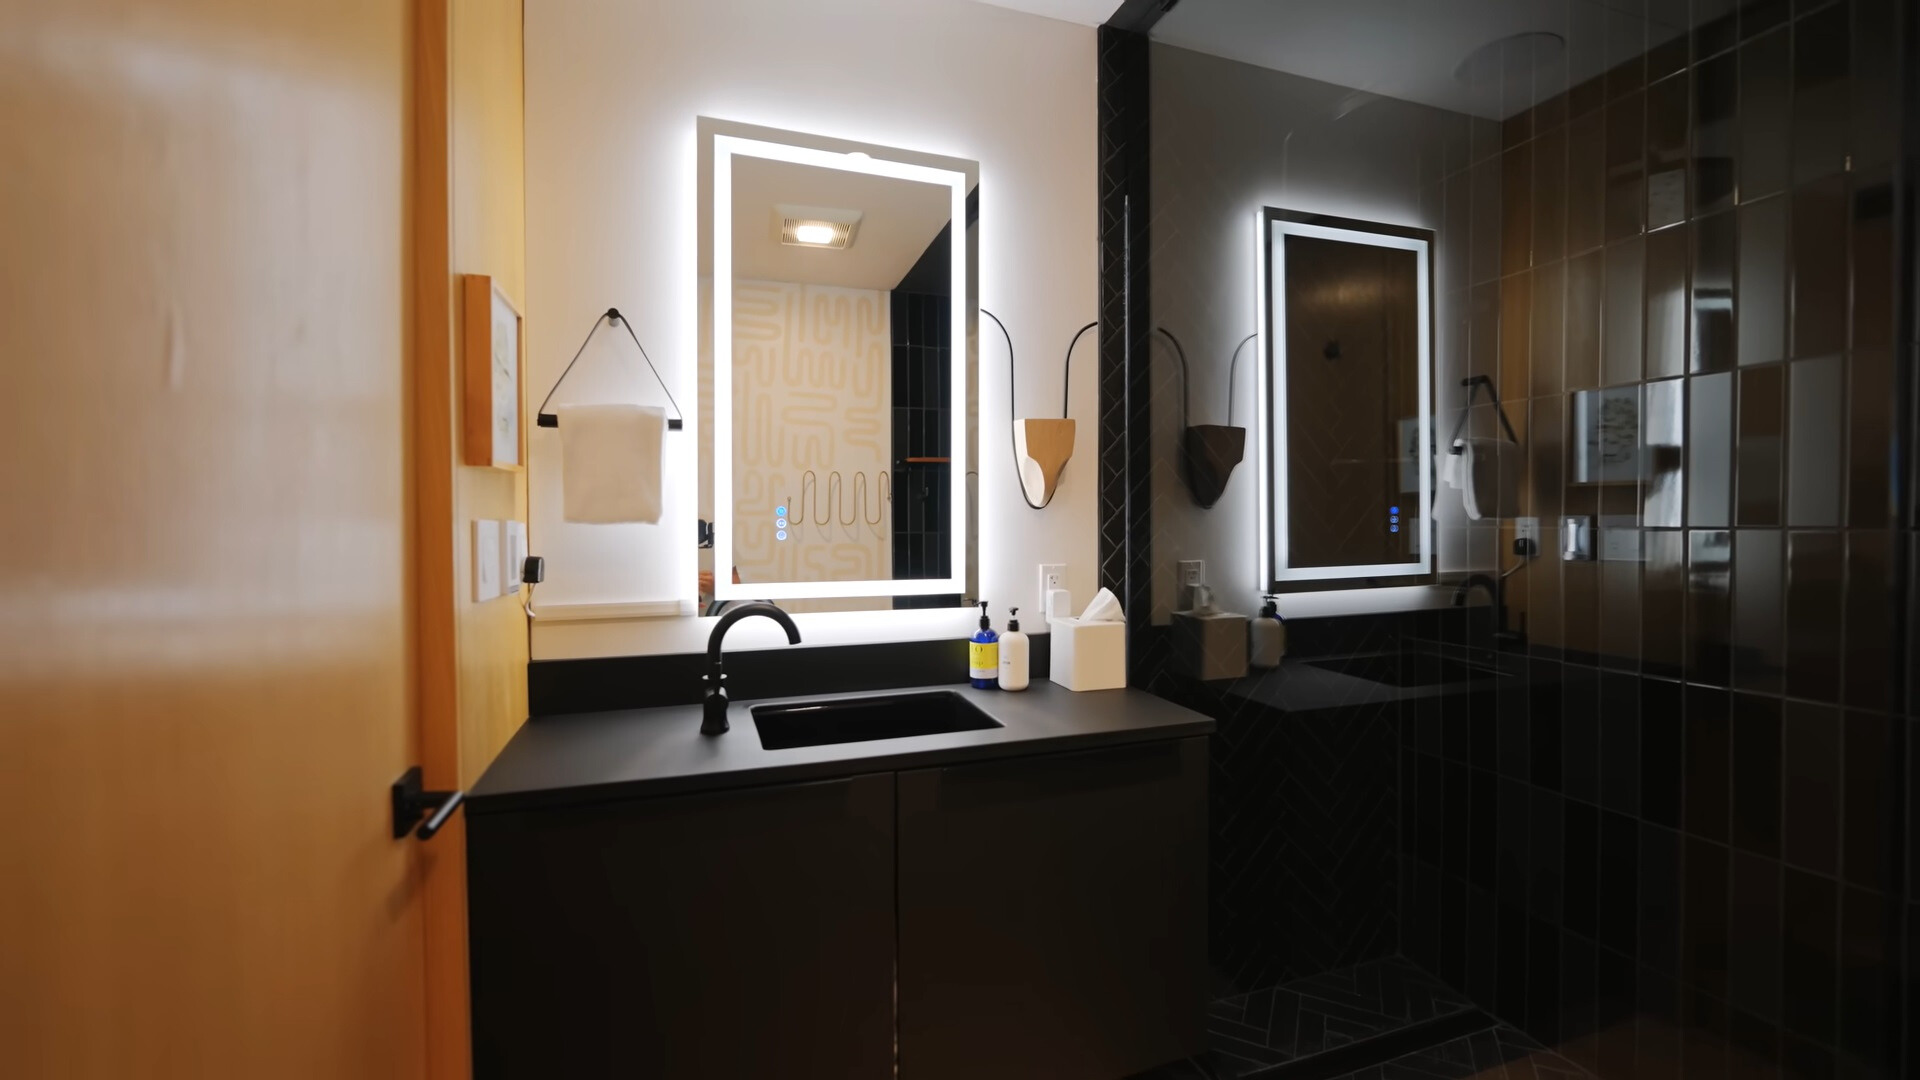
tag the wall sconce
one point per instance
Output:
(1041, 447)
(1209, 452)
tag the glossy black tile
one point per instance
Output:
(1759, 445)
(1874, 105)
(1868, 659)
(1760, 16)
(1618, 883)
(1666, 302)
(1821, 43)
(1667, 105)
(1810, 919)
(1704, 940)
(1756, 774)
(1868, 813)
(1716, 26)
(1581, 864)
(1816, 593)
(1820, 267)
(1873, 263)
(1660, 900)
(1584, 288)
(1766, 95)
(1662, 448)
(1866, 955)
(1810, 786)
(1758, 577)
(1761, 287)
(1549, 196)
(1716, 97)
(1816, 444)
(1869, 424)
(1709, 606)
(1546, 849)
(1622, 306)
(1580, 734)
(1754, 946)
(1587, 188)
(1709, 449)
(1619, 754)
(1662, 751)
(1663, 602)
(1626, 191)
(1713, 346)
(1709, 751)
(1516, 205)
(1516, 317)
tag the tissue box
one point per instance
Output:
(1210, 646)
(1088, 655)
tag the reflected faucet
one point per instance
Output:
(713, 717)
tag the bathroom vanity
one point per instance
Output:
(1020, 894)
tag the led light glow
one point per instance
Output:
(815, 233)
(1272, 231)
(725, 149)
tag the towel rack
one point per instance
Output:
(612, 315)
(1473, 383)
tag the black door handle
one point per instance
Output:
(411, 803)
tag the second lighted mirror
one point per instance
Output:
(838, 304)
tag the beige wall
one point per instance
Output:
(614, 88)
(813, 396)
(203, 639)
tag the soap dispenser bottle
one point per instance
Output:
(1267, 636)
(1013, 654)
(983, 654)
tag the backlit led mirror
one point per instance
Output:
(838, 303)
(1346, 401)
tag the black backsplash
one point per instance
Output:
(922, 477)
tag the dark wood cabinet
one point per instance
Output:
(739, 934)
(1045, 915)
(1053, 914)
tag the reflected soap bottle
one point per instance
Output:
(1267, 636)
(983, 654)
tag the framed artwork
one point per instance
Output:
(493, 376)
(1606, 436)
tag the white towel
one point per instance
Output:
(1489, 478)
(610, 463)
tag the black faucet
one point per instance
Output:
(1495, 587)
(713, 719)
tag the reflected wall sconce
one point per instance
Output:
(1209, 452)
(1041, 447)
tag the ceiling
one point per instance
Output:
(1411, 49)
(1084, 12)
(899, 219)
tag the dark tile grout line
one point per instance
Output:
(1380, 1049)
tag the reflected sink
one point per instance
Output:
(864, 719)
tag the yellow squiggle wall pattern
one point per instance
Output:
(813, 394)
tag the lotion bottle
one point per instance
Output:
(1267, 637)
(983, 654)
(1013, 654)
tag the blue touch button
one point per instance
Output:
(781, 535)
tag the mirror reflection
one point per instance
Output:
(839, 477)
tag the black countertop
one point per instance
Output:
(590, 757)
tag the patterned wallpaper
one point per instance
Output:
(812, 432)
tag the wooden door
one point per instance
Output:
(205, 633)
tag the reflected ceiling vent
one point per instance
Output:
(815, 226)
(1512, 61)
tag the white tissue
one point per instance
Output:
(1104, 608)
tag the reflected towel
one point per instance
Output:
(610, 463)
(1487, 472)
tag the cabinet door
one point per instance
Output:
(1053, 917)
(735, 936)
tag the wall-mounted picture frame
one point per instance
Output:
(493, 376)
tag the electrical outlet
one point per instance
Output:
(1526, 528)
(1052, 576)
(486, 560)
(1193, 572)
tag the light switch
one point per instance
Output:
(513, 553)
(486, 560)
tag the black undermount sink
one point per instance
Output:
(1407, 669)
(864, 719)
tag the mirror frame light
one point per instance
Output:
(725, 149)
(1271, 229)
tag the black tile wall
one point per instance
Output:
(1677, 842)
(1717, 790)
